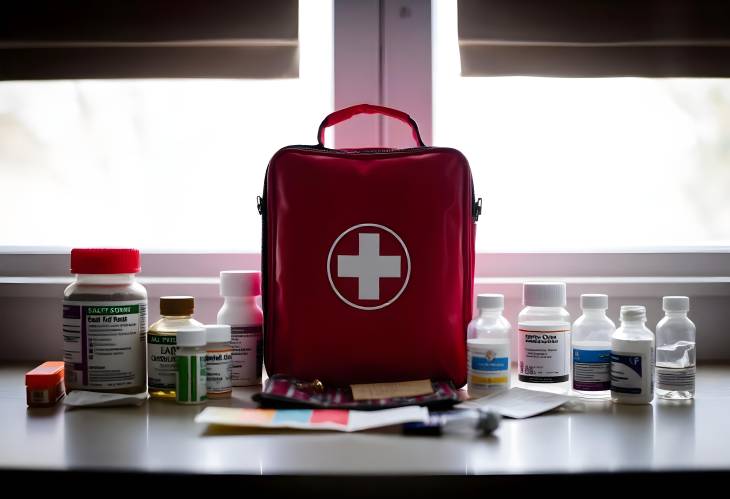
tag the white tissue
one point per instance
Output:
(81, 398)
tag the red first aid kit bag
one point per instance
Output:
(367, 260)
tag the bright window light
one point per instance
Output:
(156, 164)
(587, 164)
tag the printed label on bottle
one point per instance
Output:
(673, 379)
(161, 365)
(218, 369)
(488, 366)
(591, 370)
(627, 370)
(543, 353)
(39, 397)
(104, 344)
(248, 352)
(191, 378)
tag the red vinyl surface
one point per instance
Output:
(324, 206)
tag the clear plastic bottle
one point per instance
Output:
(591, 345)
(177, 313)
(632, 358)
(543, 338)
(488, 345)
(240, 290)
(675, 350)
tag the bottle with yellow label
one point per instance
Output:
(488, 347)
(177, 313)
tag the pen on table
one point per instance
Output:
(461, 422)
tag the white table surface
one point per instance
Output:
(162, 437)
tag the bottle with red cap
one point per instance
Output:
(240, 290)
(105, 322)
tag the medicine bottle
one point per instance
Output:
(105, 322)
(632, 358)
(488, 345)
(218, 361)
(240, 290)
(591, 342)
(675, 350)
(177, 313)
(191, 386)
(543, 338)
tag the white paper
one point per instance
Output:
(364, 420)
(517, 403)
(300, 418)
(82, 398)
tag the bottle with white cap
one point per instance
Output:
(218, 360)
(543, 338)
(675, 350)
(487, 345)
(632, 358)
(191, 385)
(240, 290)
(591, 342)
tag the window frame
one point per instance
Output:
(383, 55)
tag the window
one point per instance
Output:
(586, 163)
(632, 170)
(170, 164)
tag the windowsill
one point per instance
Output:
(31, 288)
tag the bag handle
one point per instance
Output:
(348, 112)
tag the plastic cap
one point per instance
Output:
(240, 283)
(47, 375)
(675, 303)
(543, 294)
(594, 302)
(177, 305)
(217, 333)
(490, 300)
(633, 313)
(105, 261)
(191, 336)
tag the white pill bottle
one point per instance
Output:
(240, 290)
(591, 339)
(632, 358)
(488, 345)
(543, 338)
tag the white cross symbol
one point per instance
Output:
(368, 266)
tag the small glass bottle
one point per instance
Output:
(591, 344)
(543, 338)
(177, 313)
(218, 361)
(240, 290)
(488, 345)
(675, 350)
(191, 386)
(632, 358)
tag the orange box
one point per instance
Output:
(44, 384)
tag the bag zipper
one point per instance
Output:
(476, 203)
